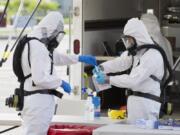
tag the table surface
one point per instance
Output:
(14, 119)
(10, 120)
(124, 129)
(108, 126)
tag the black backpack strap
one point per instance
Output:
(46, 91)
(155, 78)
(163, 82)
(17, 68)
(27, 76)
(50, 55)
(144, 95)
(52, 63)
(29, 50)
(29, 55)
(167, 66)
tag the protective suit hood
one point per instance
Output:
(135, 28)
(49, 26)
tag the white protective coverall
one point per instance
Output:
(39, 108)
(153, 27)
(146, 63)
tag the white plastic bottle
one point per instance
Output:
(89, 109)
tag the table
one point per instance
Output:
(80, 120)
(10, 120)
(14, 119)
(125, 129)
(109, 127)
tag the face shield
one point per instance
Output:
(55, 40)
(60, 36)
(130, 44)
(126, 41)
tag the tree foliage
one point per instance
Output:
(29, 5)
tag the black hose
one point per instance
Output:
(25, 26)
(4, 12)
(8, 129)
(176, 64)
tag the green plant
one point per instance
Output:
(29, 5)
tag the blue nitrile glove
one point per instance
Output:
(96, 70)
(101, 77)
(88, 59)
(66, 86)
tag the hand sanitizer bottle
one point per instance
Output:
(97, 105)
(89, 109)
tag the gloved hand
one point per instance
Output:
(88, 59)
(66, 86)
(97, 69)
(99, 75)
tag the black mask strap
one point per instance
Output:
(132, 50)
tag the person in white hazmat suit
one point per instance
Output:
(153, 27)
(144, 63)
(39, 108)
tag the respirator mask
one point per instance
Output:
(54, 41)
(130, 44)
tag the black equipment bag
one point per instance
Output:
(17, 68)
(18, 97)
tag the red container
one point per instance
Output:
(70, 130)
